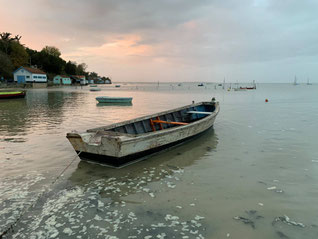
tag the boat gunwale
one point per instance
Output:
(142, 136)
(124, 137)
(12, 92)
(146, 117)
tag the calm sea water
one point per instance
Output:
(255, 175)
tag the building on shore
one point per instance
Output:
(62, 80)
(77, 79)
(24, 75)
(103, 80)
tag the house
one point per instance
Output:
(79, 79)
(99, 81)
(62, 80)
(25, 74)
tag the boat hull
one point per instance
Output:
(114, 99)
(95, 89)
(12, 95)
(125, 160)
(118, 149)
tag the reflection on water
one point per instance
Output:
(13, 116)
(259, 163)
(179, 156)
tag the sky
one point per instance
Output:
(174, 40)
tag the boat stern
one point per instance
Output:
(95, 143)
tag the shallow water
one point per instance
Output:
(238, 180)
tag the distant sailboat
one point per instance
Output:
(295, 81)
(249, 87)
(308, 82)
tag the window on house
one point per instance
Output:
(27, 77)
(35, 77)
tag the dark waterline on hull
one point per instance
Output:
(119, 162)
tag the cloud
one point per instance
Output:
(204, 38)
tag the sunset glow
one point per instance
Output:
(210, 40)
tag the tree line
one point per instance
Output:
(14, 54)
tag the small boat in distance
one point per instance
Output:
(12, 94)
(93, 85)
(120, 143)
(239, 89)
(249, 87)
(114, 104)
(117, 86)
(106, 99)
(201, 84)
(95, 89)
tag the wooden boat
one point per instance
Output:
(106, 99)
(119, 143)
(12, 94)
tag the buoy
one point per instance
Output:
(266, 100)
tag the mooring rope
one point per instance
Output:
(10, 228)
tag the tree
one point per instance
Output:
(5, 41)
(70, 68)
(6, 66)
(81, 69)
(18, 54)
(52, 50)
(93, 75)
(50, 63)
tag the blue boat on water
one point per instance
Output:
(95, 89)
(106, 99)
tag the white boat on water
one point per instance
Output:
(118, 144)
(107, 99)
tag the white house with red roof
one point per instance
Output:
(29, 75)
